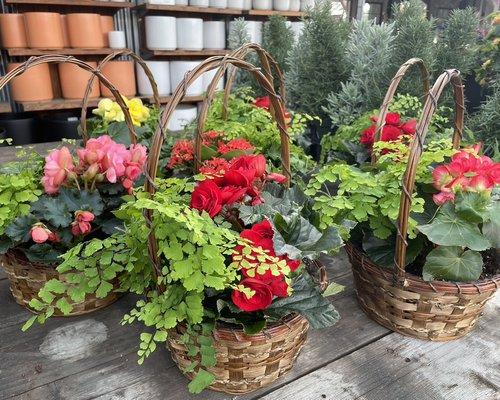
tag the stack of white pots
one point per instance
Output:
(171, 33)
(282, 5)
(279, 5)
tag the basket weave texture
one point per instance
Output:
(405, 303)
(438, 311)
(27, 278)
(247, 362)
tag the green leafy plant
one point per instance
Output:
(277, 39)
(489, 71)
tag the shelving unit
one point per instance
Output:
(74, 3)
(183, 53)
(176, 9)
(67, 51)
(5, 107)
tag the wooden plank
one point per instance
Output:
(5, 107)
(183, 53)
(165, 9)
(66, 51)
(122, 378)
(76, 3)
(266, 13)
(398, 367)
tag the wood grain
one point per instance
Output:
(397, 367)
(166, 9)
(183, 53)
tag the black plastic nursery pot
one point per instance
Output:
(59, 126)
(20, 127)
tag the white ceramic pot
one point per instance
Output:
(189, 33)
(236, 4)
(199, 3)
(161, 74)
(262, 4)
(182, 116)
(116, 39)
(305, 4)
(217, 3)
(207, 79)
(281, 5)
(214, 35)
(181, 2)
(297, 29)
(255, 31)
(294, 5)
(161, 33)
(247, 4)
(178, 69)
(164, 2)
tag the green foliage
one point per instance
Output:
(457, 48)
(489, 72)
(277, 39)
(414, 38)
(307, 301)
(372, 197)
(369, 58)
(256, 125)
(19, 187)
(316, 64)
(452, 263)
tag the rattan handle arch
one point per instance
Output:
(56, 58)
(104, 61)
(424, 74)
(450, 76)
(266, 61)
(159, 136)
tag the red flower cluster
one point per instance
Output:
(231, 182)
(467, 171)
(232, 145)
(263, 285)
(182, 153)
(393, 129)
(81, 225)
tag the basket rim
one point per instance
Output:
(17, 256)
(417, 283)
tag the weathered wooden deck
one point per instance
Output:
(94, 357)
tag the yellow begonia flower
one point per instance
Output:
(138, 111)
(109, 111)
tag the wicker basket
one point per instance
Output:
(27, 278)
(244, 362)
(247, 362)
(402, 302)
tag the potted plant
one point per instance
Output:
(423, 255)
(50, 206)
(226, 260)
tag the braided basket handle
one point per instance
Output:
(450, 76)
(88, 90)
(57, 58)
(159, 136)
(241, 53)
(424, 74)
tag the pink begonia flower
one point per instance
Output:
(113, 163)
(443, 197)
(58, 164)
(39, 234)
(138, 154)
(81, 225)
(132, 172)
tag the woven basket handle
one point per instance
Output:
(56, 58)
(88, 90)
(241, 53)
(424, 74)
(179, 93)
(450, 76)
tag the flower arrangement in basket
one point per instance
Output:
(227, 261)
(53, 205)
(440, 226)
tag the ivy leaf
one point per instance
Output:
(308, 302)
(201, 381)
(448, 229)
(450, 263)
(472, 206)
(381, 252)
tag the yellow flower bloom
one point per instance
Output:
(138, 111)
(110, 111)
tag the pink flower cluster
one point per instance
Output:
(467, 171)
(101, 158)
(41, 234)
(81, 224)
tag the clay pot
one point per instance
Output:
(13, 31)
(74, 81)
(64, 26)
(32, 85)
(121, 74)
(85, 31)
(107, 25)
(44, 30)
